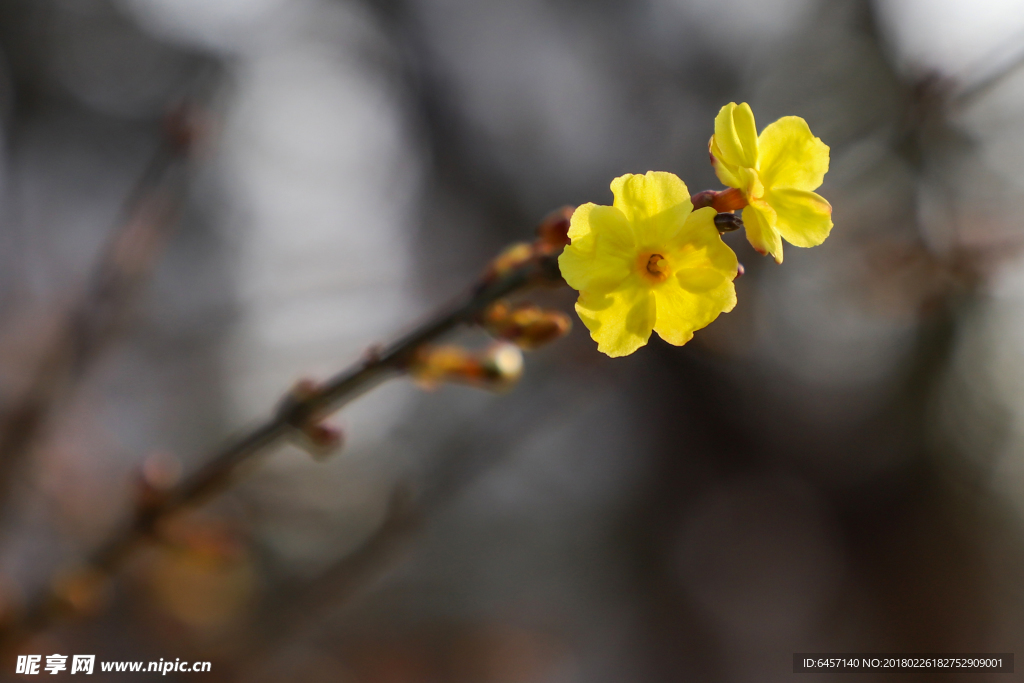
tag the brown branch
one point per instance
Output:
(93, 319)
(302, 409)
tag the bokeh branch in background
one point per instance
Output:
(994, 69)
(301, 413)
(304, 610)
(123, 267)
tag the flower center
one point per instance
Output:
(653, 266)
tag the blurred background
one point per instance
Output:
(835, 466)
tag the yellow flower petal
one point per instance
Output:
(587, 272)
(656, 203)
(760, 232)
(702, 285)
(620, 321)
(599, 257)
(790, 156)
(804, 218)
(726, 172)
(679, 312)
(699, 280)
(736, 135)
(591, 219)
(699, 245)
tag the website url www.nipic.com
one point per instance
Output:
(86, 664)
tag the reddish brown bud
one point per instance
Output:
(315, 436)
(722, 202)
(294, 406)
(702, 199)
(729, 200)
(553, 232)
(321, 439)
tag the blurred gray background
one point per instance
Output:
(836, 465)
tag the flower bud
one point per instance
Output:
(724, 201)
(527, 326)
(553, 231)
(496, 368)
(727, 222)
(320, 439)
(312, 434)
(512, 257)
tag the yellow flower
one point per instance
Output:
(648, 262)
(776, 174)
